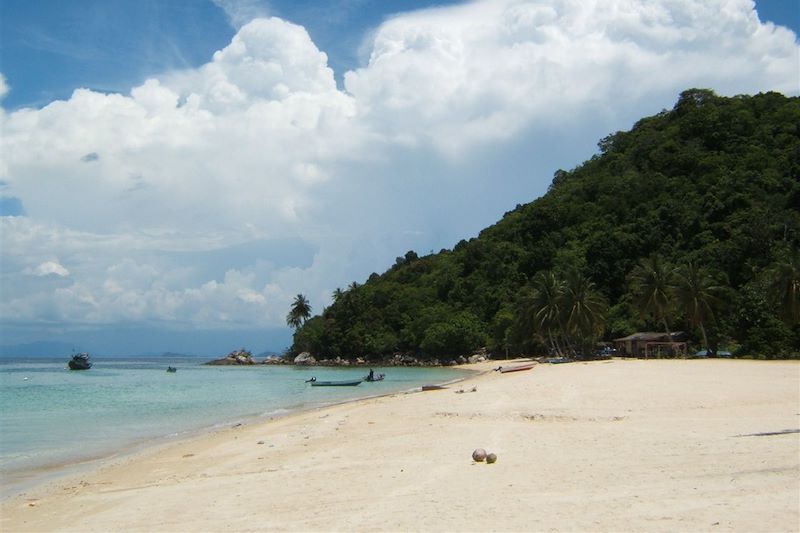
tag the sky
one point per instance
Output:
(173, 172)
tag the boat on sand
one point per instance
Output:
(516, 368)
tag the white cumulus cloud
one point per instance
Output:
(156, 198)
(47, 268)
(3, 86)
(478, 72)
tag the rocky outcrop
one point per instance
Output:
(236, 357)
(305, 358)
(244, 357)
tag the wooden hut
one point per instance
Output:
(652, 344)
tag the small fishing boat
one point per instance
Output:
(80, 361)
(171, 369)
(344, 383)
(374, 377)
(558, 360)
(506, 369)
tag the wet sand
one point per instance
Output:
(621, 445)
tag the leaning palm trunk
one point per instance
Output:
(669, 333)
(553, 342)
(705, 338)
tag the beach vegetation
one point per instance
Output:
(688, 220)
(652, 284)
(299, 312)
(699, 296)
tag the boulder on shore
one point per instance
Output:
(305, 358)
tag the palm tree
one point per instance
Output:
(337, 294)
(651, 282)
(583, 307)
(696, 292)
(784, 287)
(542, 309)
(299, 312)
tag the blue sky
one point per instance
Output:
(174, 172)
(49, 47)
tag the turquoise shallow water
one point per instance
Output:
(51, 416)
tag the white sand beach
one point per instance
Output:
(620, 445)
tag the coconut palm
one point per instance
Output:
(697, 294)
(542, 309)
(784, 287)
(337, 294)
(652, 282)
(299, 312)
(582, 306)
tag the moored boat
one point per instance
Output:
(372, 376)
(171, 369)
(342, 383)
(80, 361)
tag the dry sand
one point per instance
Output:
(622, 445)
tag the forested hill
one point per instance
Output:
(689, 221)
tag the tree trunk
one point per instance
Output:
(669, 333)
(705, 339)
(553, 343)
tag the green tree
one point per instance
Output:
(299, 312)
(583, 309)
(542, 309)
(338, 293)
(697, 294)
(460, 334)
(784, 287)
(652, 282)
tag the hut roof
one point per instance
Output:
(651, 336)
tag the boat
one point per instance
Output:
(344, 383)
(433, 387)
(506, 369)
(171, 369)
(374, 377)
(80, 361)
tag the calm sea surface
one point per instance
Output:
(51, 416)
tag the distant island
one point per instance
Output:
(37, 349)
(686, 224)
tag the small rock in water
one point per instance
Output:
(479, 455)
(491, 458)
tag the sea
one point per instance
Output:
(53, 420)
